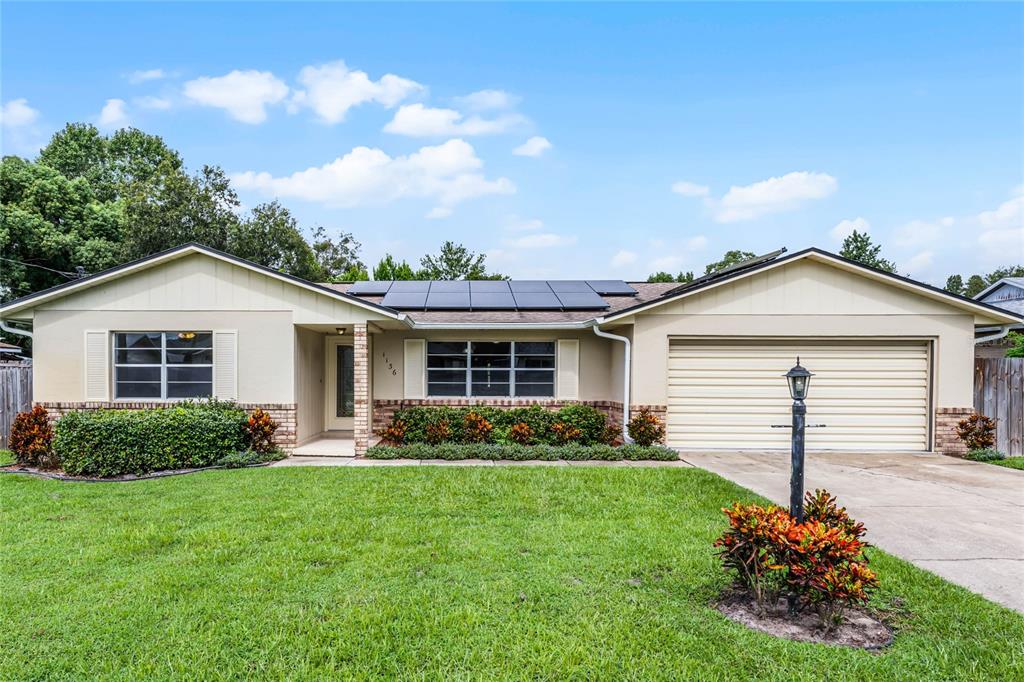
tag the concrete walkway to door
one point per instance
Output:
(959, 519)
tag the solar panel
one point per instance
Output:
(581, 301)
(489, 286)
(415, 299)
(530, 286)
(611, 287)
(377, 288)
(448, 301)
(493, 300)
(526, 300)
(405, 287)
(570, 286)
(449, 287)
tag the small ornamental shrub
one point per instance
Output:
(439, 432)
(823, 507)
(590, 422)
(30, 439)
(565, 433)
(475, 428)
(754, 547)
(985, 455)
(977, 431)
(521, 433)
(394, 433)
(612, 435)
(259, 431)
(245, 458)
(646, 429)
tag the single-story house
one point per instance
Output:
(1008, 294)
(892, 357)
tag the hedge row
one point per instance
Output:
(514, 452)
(116, 442)
(590, 421)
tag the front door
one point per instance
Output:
(340, 384)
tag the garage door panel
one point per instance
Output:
(870, 395)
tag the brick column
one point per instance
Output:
(946, 440)
(361, 367)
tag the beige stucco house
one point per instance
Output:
(892, 357)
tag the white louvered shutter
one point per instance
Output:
(568, 364)
(415, 367)
(97, 365)
(225, 364)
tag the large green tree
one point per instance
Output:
(662, 276)
(455, 261)
(390, 269)
(730, 258)
(859, 247)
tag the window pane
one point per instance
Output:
(130, 373)
(435, 389)
(535, 390)
(187, 373)
(491, 360)
(448, 376)
(534, 376)
(344, 402)
(183, 356)
(492, 347)
(446, 361)
(535, 348)
(190, 390)
(189, 340)
(138, 357)
(500, 390)
(139, 390)
(446, 347)
(535, 361)
(137, 340)
(487, 376)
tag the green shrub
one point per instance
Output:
(115, 442)
(245, 458)
(574, 452)
(589, 420)
(985, 455)
(423, 424)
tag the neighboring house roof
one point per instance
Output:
(66, 288)
(9, 348)
(1007, 293)
(1016, 282)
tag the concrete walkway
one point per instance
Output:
(959, 519)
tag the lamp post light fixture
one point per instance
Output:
(799, 380)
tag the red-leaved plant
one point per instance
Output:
(521, 433)
(977, 431)
(646, 429)
(31, 435)
(476, 428)
(438, 432)
(259, 431)
(565, 433)
(752, 548)
(394, 433)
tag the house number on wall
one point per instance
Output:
(394, 372)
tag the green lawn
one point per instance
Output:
(425, 573)
(1011, 462)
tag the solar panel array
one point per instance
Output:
(494, 294)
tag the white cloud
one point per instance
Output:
(690, 189)
(1002, 230)
(844, 228)
(919, 233)
(449, 173)
(696, 243)
(143, 75)
(623, 258)
(774, 195)
(332, 89)
(16, 113)
(245, 95)
(487, 100)
(439, 212)
(919, 264)
(535, 146)
(417, 120)
(545, 240)
(150, 102)
(113, 115)
(517, 225)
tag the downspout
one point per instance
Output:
(627, 350)
(13, 330)
(1003, 331)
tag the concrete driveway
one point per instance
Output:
(959, 519)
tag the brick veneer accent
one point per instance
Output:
(285, 414)
(946, 440)
(361, 387)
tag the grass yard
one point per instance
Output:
(425, 573)
(1011, 462)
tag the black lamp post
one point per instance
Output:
(799, 381)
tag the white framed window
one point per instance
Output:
(493, 369)
(163, 365)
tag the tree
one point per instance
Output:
(684, 277)
(978, 283)
(389, 268)
(730, 258)
(859, 247)
(455, 261)
(1017, 349)
(337, 259)
(955, 285)
(975, 285)
(270, 236)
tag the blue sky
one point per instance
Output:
(566, 140)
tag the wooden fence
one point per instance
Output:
(999, 393)
(15, 395)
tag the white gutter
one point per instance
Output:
(1003, 331)
(13, 330)
(625, 377)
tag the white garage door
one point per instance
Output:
(870, 396)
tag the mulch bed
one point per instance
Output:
(860, 630)
(61, 476)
